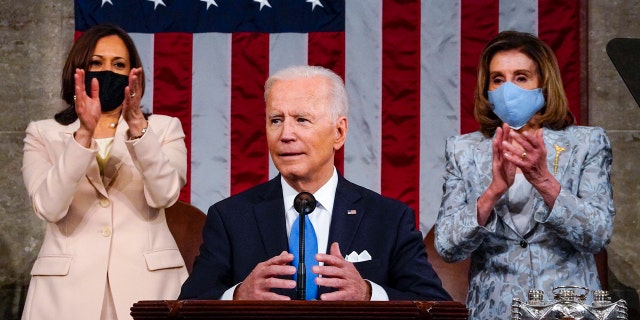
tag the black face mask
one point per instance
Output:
(111, 88)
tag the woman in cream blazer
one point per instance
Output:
(107, 244)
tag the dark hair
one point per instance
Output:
(80, 57)
(555, 114)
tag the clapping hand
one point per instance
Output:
(131, 111)
(87, 108)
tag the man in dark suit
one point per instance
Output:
(368, 247)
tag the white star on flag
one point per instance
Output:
(263, 3)
(209, 3)
(315, 3)
(156, 3)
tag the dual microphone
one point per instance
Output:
(304, 203)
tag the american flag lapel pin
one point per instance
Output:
(352, 211)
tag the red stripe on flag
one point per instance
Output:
(327, 49)
(172, 68)
(401, 101)
(249, 71)
(479, 25)
(559, 27)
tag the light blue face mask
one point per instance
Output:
(514, 105)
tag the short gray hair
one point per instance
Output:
(338, 99)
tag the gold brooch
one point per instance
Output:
(559, 150)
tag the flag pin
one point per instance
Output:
(352, 211)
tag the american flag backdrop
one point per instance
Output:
(409, 67)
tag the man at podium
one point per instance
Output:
(365, 246)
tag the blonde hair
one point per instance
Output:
(555, 114)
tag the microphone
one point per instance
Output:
(304, 203)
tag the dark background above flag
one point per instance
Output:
(225, 16)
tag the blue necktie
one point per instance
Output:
(310, 250)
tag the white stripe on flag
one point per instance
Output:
(521, 15)
(363, 73)
(439, 99)
(286, 49)
(144, 43)
(211, 119)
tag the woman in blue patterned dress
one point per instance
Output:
(528, 197)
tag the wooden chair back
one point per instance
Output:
(185, 223)
(454, 276)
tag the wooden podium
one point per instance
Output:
(215, 309)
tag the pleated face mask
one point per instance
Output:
(514, 105)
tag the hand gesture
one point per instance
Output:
(530, 155)
(131, 111)
(503, 171)
(340, 274)
(87, 108)
(257, 285)
(503, 174)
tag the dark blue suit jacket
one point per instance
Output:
(248, 228)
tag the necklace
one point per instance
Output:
(113, 125)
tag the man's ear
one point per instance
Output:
(342, 126)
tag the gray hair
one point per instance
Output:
(338, 99)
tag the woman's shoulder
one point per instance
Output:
(581, 133)
(50, 125)
(467, 138)
(163, 124)
(46, 122)
(583, 137)
(584, 129)
(161, 118)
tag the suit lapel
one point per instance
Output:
(483, 158)
(344, 225)
(93, 172)
(93, 175)
(117, 155)
(559, 153)
(270, 217)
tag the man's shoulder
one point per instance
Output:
(371, 198)
(250, 196)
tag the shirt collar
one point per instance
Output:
(325, 195)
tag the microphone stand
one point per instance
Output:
(302, 270)
(304, 203)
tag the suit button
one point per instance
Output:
(523, 244)
(104, 202)
(106, 231)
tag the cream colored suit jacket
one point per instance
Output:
(110, 228)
